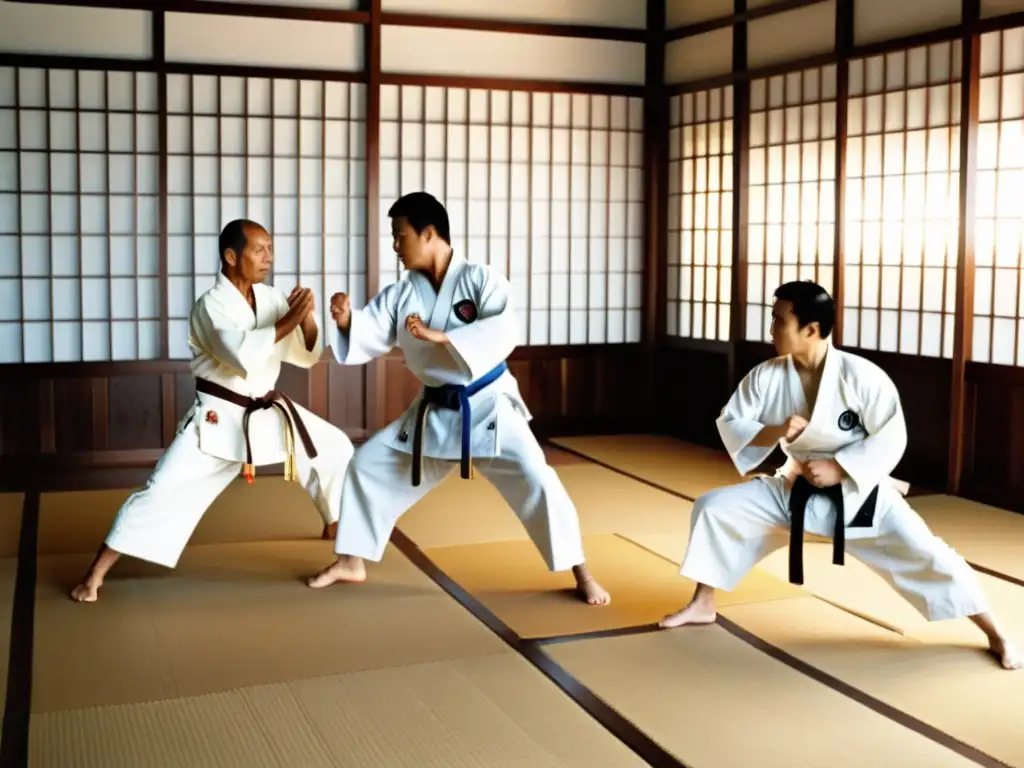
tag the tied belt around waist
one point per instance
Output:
(798, 498)
(453, 397)
(290, 417)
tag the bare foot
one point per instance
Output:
(330, 531)
(1007, 655)
(701, 610)
(592, 592)
(349, 569)
(87, 591)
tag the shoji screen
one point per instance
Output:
(79, 236)
(791, 214)
(999, 228)
(546, 188)
(902, 201)
(700, 214)
(288, 154)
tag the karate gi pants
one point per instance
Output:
(378, 490)
(734, 528)
(156, 523)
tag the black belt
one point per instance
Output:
(453, 397)
(798, 498)
(272, 399)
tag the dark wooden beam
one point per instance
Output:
(595, 32)
(740, 191)
(844, 48)
(963, 324)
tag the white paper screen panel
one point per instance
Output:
(999, 226)
(990, 8)
(699, 279)
(699, 57)
(612, 13)
(545, 188)
(792, 35)
(203, 38)
(463, 52)
(902, 201)
(79, 236)
(287, 154)
(111, 33)
(792, 188)
(875, 20)
(679, 13)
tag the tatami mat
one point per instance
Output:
(945, 680)
(714, 701)
(234, 615)
(269, 509)
(466, 713)
(461, 511)
(510, 578)
(986, 535)
(680, 467)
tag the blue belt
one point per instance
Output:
(453, 397)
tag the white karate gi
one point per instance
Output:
(857, 421)
(235, 348)
(379, 489)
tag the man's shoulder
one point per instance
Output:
(861, 371)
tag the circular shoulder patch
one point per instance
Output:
(466, 311)
(848, 420)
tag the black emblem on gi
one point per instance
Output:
(466, 311)
(848, 420)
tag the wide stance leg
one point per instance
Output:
(928, 573)
(324, 477)
(731, 530)
(535, 492)
(377, 491)
(156, 522)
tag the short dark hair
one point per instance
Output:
(811, 304)
(234, 236)
(422, 210)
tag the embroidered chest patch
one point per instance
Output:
(466, 311)
(848, 421)
(211, 417)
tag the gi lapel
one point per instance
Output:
(441, 313)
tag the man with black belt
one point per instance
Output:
(454, 322)
(839, 419)
(240, 332)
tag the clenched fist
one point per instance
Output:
(341, 310)
(793, 427)
(420, 330)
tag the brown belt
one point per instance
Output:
(272, 399)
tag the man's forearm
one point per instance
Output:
(310, 331)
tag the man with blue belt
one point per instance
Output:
(453, 321)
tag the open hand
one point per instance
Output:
(822, 473)
(420, 330)
(301, 304)
(341, 310)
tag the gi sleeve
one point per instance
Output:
(212, 330)
(488, 341)
(372, 332)
(742, 420)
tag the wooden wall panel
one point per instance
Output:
(125, 414)
(994, 451)
(691, 387)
